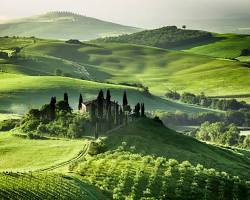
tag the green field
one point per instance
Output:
(228, 46)
(19, 93)
(18, 154)
(156, 68)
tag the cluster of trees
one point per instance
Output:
(73, 41)
(8, 124)
(133, 176)
(239, 118)
(166, 37)
(221, 133)
(202, 100)
(56, 119)
(245, 52)
(106, 114)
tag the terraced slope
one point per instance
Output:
(45, 186)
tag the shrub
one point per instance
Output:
(97, 147)
(58, 72)
(30, 125)
(9, 124)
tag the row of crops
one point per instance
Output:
(122, 175)
(43, 186)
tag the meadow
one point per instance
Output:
(20, 154)
(158, 69)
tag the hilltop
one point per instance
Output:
(151, 137)
(168, 37)
(71, 26)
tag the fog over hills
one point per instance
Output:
(63, 25)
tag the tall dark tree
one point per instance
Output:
(66, 97)
(125, 100)
(142, 110)
(80, 102)
(93, 113)
(109, 117)
(100, 101)
(108, 99)
(121, 116)
(137, 110)
(116, 113)
(52, 108)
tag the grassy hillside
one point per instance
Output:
(156, 68)
(166, 37)
(19, 154)
(148, 137)
(18, 93)
(227, 46)
(45, 186)
(71, 26)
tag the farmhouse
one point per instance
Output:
(89, 105)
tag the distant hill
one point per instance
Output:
(63, 25)
(167, 37)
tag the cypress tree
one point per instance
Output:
(121, 116)
(100, 100)
(142, 110)
(53, 108)
(66, 98)
(137, 110)
(80, 102)
(116, 113)
(109, 117)
(93, 113)
(125, 100)
(108, 99)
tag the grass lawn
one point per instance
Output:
(230, 46)
(18, 154)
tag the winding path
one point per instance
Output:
(80, 155)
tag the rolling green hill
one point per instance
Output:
(155, 68)
(227, 46)
(18, 93)
(148, 137)
(71, 26)
(167, 37)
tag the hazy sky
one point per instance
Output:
(142, 13)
